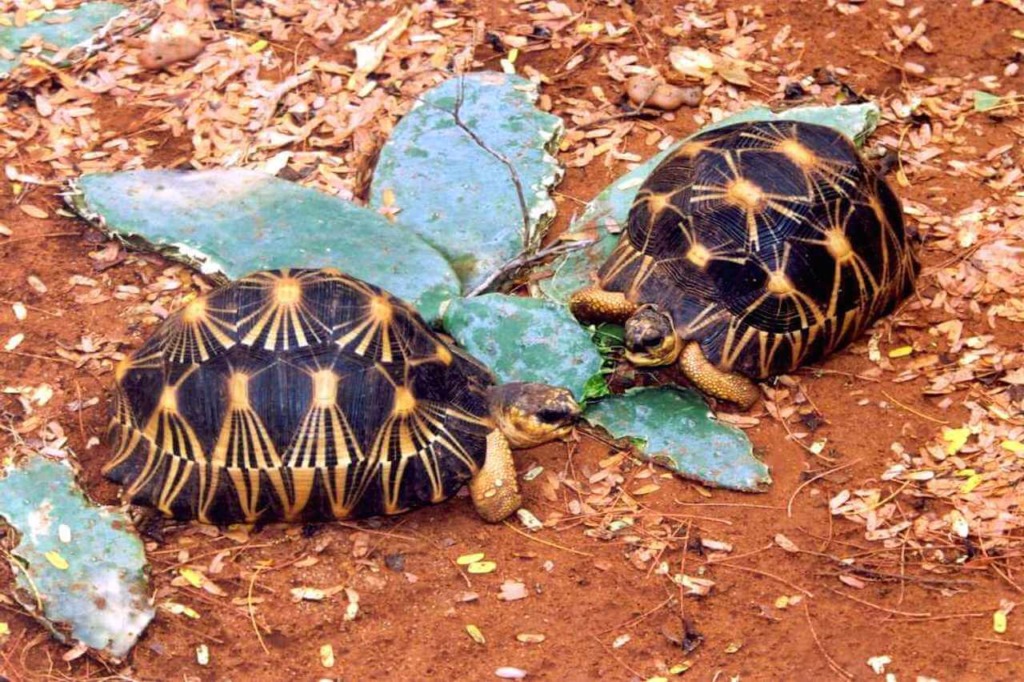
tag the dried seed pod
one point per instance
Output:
(646, 91)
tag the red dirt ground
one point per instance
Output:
(584, 592)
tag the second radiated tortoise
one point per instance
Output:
(751, 250)
(311, 395)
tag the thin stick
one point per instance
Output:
(728, 504)
(789, 505)
(546, 542)
(895, 612)
(1007, 578)
(31, 583)
(766, 575)
(911, 410)
(353, 526)
(81, 419)
(999, 641)
(252, 611)
(639, 675)
(949, 616)
(740, 556)
(528, 259)
(836, 668)
(38, 357)
(32, 307)
(46, 235)
(634, 621)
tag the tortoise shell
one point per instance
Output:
(771, 244)
(296, 395)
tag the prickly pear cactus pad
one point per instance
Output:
(232, 222)
(78, 568)
(608, 211)
(60, 29)
(469, 170)
(675, 428)
(524, 339)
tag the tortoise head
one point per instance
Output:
(530, 414)
(651, 338)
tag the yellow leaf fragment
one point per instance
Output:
(258, 46)
(194, 577)
(970, 484)
(5, 629)
(475, 634)
(999, 622)
(57, 560)
(680, 668)
(955, 438)
(479, 567)
(901, 352)
(1014, 446)
(467, 559)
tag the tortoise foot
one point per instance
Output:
(730, 386)
(494, 489)
(593, 305)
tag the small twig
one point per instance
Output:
(728, 504)
(15, 563)
(766, 575)
(45, 235)
(81, 419)
(59, 313)
(252, 611)
(667, 515)
(1007, 578)
(789, 505)
(523, 260)
(37, 357)
(911, 410)
(546, 542)
(636, 673)
(948, 616)
(370, 531)
(682, 571)
(1004, 642)
(836, 668)
(634, 621)
(715, 562)
(909, 614)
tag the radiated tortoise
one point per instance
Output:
(311, 395)
(751, 250)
